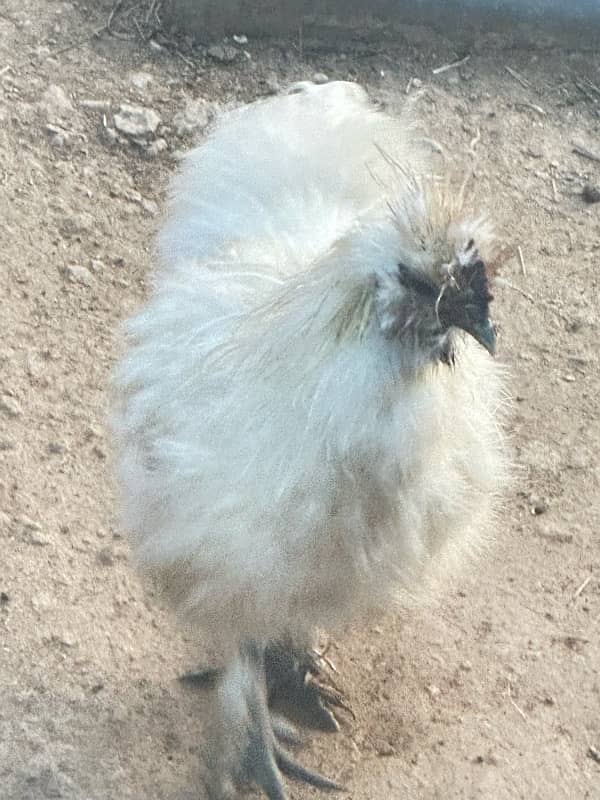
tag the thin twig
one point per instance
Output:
(521, 261)
(474, 141)
(409, 85)
(554, 191)
(435, 146)
(326, 660)
(583, 89)
(581, 150)
(518, 708)
(538, 109)
(504, 283)
(185, 59)
(453, 65)
(113, 12)
(592, 86)
(578, 591)
(111, 17)
(141, 33)
(78, 42)
(153, 11)
(525, 83)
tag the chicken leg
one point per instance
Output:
(247, 751)
(291, 687)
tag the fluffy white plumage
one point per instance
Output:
(292, 451)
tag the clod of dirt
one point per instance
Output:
(56, 104)
(137, 121)
(75, 273)
(537, 505)
(10, 407)
(56, 448)
(223, 53)
(594, 753)
(96, 105)
(32, 533)
(108, 135)
(105, 557)
(272, 84)
(591, 194)
(59, 137)
(193, 118)
(75, 225)
(154, 149)
(141, 80)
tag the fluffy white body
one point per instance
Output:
(303, 429)
(286, 461)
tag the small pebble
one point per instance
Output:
(105, 557)
(591, 194)
(272, 83)
(59, 138)
(137, 121)
(32, 533)
(537, 505)
(56, 448)
(99, 452)
(141, 80)
(193, 118)
(223, 53)
(75, 273)
(9, 406)
(109, 135)
(56, 104)
(96, 105)
(156, 148)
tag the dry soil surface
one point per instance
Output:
(494, 691)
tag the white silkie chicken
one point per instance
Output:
(309, 415)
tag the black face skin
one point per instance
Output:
(463, 302)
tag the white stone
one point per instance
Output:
(137, 121)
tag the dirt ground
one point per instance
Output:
(493, 691)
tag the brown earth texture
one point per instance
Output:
(490, 692)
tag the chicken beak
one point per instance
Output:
(485, 333)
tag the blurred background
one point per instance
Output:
(577, 20)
